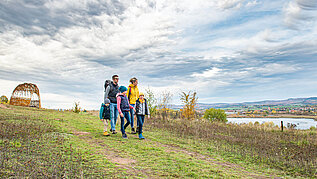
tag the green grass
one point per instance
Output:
(164, 153)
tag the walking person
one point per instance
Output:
(111, 92)
(124, 108)
(141, 109)
(133, 95)
(104, 115)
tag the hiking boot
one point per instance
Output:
(106, 133)
(141, 136)
(110, 130)
(114, 132)
(137, 130)
(124, 136)
(133, 131)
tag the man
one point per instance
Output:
(111, 93)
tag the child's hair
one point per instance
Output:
(132, 80)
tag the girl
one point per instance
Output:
(141, 110)
(123, 108)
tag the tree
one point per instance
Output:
(165, 100)
(190, 101)
(3, 99)
(213, 114)
(76, 108)
(151, 101)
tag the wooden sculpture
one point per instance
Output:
(26, 94)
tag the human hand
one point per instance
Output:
(121, 114)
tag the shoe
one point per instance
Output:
(114, 132)
(133, 131)
(141, 136)
(106, 133)
(110, 130)
(124, 136)
(137, 130)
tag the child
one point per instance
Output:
(141, 110)
(104, 115)
(124, 109)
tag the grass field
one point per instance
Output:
(46, 143)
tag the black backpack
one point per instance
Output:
(107, 83)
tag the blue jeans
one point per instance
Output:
(113, 115)
(132, 116)
(141, 122)
(127, 116)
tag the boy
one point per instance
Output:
(141, 110)
(104, 115)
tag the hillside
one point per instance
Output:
(46, 143)
(286, 102)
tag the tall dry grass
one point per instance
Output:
(293, 151)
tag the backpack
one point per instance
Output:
(107, 83)
(103, 112)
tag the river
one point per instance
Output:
(301, 123)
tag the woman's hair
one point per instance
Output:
(132, 80)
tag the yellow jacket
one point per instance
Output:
(134, 95)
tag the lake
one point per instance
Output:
(301, 123)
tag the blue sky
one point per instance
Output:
(226, 50)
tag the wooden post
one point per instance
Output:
(282, 126)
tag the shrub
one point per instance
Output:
(3, 99)
(190, 101)
(213, 114)
(76, 108)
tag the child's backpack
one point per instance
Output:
(107, 83)
(104, 112)
(101, 111)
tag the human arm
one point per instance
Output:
(106, 93)
(118, 105)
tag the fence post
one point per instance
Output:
(282, 126)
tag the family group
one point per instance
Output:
(126, 102)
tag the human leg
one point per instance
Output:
(132, 119)
(105, 123)
(116, 113)
(112, 117)
(127, 116)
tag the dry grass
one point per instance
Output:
(293, 151)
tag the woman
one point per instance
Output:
(133, 95)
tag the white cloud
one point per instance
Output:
(208, 73)
(300, 14)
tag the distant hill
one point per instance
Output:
(290, 101)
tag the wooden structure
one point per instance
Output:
(26, 94)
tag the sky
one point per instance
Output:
(225, 50)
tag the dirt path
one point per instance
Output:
(115, 156)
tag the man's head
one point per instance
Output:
(115, 79)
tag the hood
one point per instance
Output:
(131, 85)
(120, 94)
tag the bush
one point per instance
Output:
(213, 114)
(3, 99)
(76, 108)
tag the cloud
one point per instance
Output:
(68, 48)
(300, 14)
